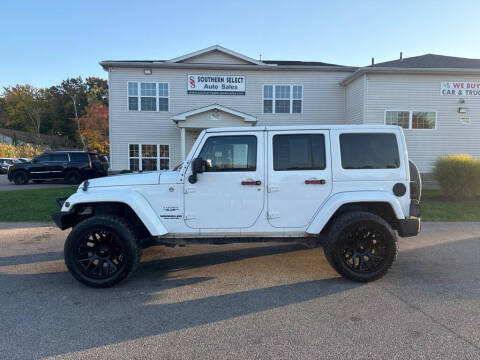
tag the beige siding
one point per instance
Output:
(216, 57)
(422, 92)
(190, 138)
(323, 103)
(354, 101)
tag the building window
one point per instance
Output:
(423, 120)
(412, 119)
(149, 157)
(282, 99)
(145, 96)
(132, 96)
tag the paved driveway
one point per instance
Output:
(6, 185)
(262, 301)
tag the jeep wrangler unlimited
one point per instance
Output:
(349, 187)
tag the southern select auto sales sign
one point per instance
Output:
(216, 84)
(460, 88)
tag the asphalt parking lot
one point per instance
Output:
(6, 185)
(254, 301)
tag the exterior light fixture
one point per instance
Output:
(147, 71)
(462, 110)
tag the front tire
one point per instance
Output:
(20, 178)
(101, 251)
(361, 246)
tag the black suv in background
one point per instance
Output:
(69, 166)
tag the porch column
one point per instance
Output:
(182, 143)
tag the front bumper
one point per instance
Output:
(409, 227)
(64, 219)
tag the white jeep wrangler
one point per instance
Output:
(349, 187)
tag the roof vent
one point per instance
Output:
(373, 61)
(401, 56)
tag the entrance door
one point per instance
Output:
(230, 193)
(299, 176)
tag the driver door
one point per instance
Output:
(230, 192)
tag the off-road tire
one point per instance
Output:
(73, 177)
(20, 178)
(128, 242)
(333, 244)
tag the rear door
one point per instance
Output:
(299, 176)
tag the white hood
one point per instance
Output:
(149, 178)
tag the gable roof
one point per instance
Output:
(432, 61)
(244, 116)
(299, 63)
(215, 48)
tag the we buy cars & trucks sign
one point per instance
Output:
(460, 88)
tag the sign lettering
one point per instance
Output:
(216, 84)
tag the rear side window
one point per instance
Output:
(59, 157)
(369, 151)
(79, 157)
(230, 153)
(299, 152)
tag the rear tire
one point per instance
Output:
(73, 177)
(360, 246)
(20, 178)
(102, 251)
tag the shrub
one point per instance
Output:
(458, 176)
(21, 151)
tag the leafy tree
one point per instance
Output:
(23, 104)
(97, 90)
(75, 90)
(94, 125)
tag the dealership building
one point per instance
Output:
(159, 107)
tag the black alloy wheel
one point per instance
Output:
(102, 250)
(99, 254)
(360, 246)
(363, 248)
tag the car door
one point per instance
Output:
(299, 176)
(56, 165)
(230, 192)
(38, 169)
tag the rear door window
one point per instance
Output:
(299, 152)
(369, 151)
(59, 157)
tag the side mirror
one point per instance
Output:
(198, 167)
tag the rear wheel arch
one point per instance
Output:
(382, 209)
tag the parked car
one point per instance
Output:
(346, 186)
(69, 166)
(5, 163)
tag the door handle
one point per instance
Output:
(252, 182)
(320, 182)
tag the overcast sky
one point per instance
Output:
(44, 42)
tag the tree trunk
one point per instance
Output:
(78, 121)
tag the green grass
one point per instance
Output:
(31, 205)
(39, 204)
(436, 208)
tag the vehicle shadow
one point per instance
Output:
(51, 305)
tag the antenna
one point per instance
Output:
(373, 61)
(260, 57)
